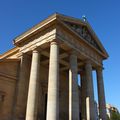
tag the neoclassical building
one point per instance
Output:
(39, 76)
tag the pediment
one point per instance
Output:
(84, 33)
(77, 26)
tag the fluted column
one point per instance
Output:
(101, 95)
(53, 83)
(31, 112)
(83, 95)
(73, 89)
(90, 107)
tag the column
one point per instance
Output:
(31, 112)
(101, 95)
(73, 89)
(83, 95)
(53, 83)
(90, 107)
(19, 107)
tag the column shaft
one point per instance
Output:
(19, 108)
(31, 112)
(83, 96)
(90, 107)
(101, 95)
(53, 83)
(73, 89)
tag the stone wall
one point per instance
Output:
(8, 77)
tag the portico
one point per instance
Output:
(56, 51)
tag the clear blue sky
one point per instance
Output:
(104, 16)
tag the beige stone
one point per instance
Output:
(19, 108)
(101, 95)
(73, 89)
(90, 107)
(38, 77)
(32, 101)
(53, 84)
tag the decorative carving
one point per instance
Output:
(75, 44)
(84, 33)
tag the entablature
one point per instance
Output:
(39, 40)
(70, 32)
(84, 51)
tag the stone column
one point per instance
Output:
(53, 83)
(83, 95)
(19, 107)
(73, 89)
(101, 95)
(31, 112)
(90, 107)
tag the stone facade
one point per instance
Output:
(39, 77)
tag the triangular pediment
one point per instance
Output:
(84, 31)
(79, 27)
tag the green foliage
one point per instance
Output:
(115, 116)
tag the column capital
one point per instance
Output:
(87, 61)
(22, 54)
(88, 65)
(82, 72)
(99, 68)
(35, 51)
(72, 52)
(54, 42)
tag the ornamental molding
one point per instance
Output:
(37, 41)
(84, 33)
(69, 40)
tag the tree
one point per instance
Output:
(115, 116)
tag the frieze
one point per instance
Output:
(75, 44)
(41, 39)
(84, 33)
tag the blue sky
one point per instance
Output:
(103, 15)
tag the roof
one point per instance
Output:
(51, 19)
(9, 52)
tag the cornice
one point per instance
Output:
(54, 20)
(69, 30)
(34, 29)
(10, 52)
